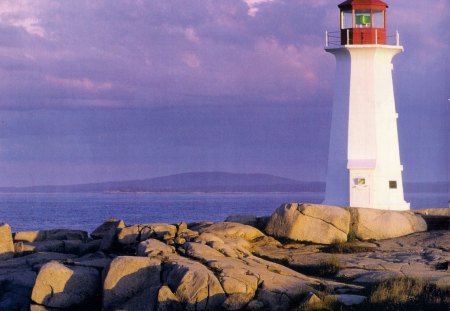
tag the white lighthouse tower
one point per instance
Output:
(364, 168)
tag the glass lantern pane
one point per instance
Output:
(347, 20)
(363, 18)
(378, 19)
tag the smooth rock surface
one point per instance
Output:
(130, 278)
(105, 228)
(249, 220)
(59, 286)
(309, 222)
(154, 248)
(167, 301)
(233, 230)
(138, 233)
(196, 287)
(56, 234)
(380, 224)
(6, 242)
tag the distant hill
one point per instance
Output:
(186, 182)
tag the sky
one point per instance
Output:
(126, 89)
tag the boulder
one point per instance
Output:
(6, 242)
(311, 299)
(208, 238)
(377, 224)
(249, 220)
(43, 246)
(154, 248)
(57, 234)
(138, 233)
(15, 289)
(233, 230)
(350, 300)
(247, 277)
(196, 287)
(310, 222)
(107, 233)
(105, 228)
(167, 301)
(59, 286)
(129, 282)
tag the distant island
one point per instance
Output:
(208, 182)
(186, 182)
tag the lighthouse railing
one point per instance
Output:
(333, 38)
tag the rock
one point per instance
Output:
(310, 300)
(21, 249)
(139, 233)
(233, 230)
(44, 235)
(197, 226)
(245, 277)
(90, 247)
(196, 287)
(377, 276)
(182, 226)
(105, 228)
(381, 224)
(208, 237)
(249, 220)
(59, 286)
(167, 301)
(34, 261)
(15, 289)
(107, 233)
(154, 248)
(42, 246)
(6, 242)
(129, 281)
(255, 305)
(179, 240)
(309, 222)
(350, 300)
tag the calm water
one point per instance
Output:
(87, 211)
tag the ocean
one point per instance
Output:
(86, 211)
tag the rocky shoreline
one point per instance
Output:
(302, 257)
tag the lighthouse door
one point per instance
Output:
(360, 191)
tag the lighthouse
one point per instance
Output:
(364, 168)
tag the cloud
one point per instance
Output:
(253, 6)
(146, 53)
(22, 14)
(83, 84)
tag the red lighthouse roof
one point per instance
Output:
(349, 4)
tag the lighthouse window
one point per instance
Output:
(362, 18)
(347, 20)
(392, 184)
(378, 19)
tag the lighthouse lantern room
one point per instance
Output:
(364, 168)
(363, 22)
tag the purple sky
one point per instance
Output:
(110, 90)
